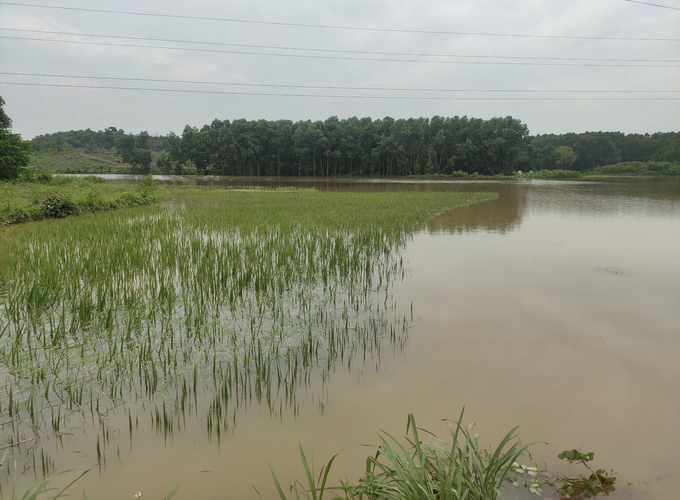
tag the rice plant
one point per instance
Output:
(195, 309)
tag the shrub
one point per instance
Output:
(56, 207)
(552, 174)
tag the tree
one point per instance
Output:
(135, 151)
(14, 152)
(564, 157)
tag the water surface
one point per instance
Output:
(555, 307)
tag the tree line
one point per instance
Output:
(596, 149)
(363, 146)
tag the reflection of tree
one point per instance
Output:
(499, 216)
(605, 197)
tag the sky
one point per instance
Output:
(455, 53)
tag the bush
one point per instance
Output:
(56, 207)
(65, 196)
(639, 168)
(552, 174)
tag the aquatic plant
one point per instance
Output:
(455, 470)
(598, 481)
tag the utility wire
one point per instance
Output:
(327, 87)
(654, 5)
(333, 27)
(340, 96)
(307, 49)
(345, 58)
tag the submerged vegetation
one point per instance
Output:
(190, 310)
(47, 197)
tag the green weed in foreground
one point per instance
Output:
(457, 469)
(189, 311)
(418, 470)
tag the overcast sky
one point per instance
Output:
(37, 110)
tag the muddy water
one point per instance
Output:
(556, 307)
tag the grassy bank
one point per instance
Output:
(78, 162)
(58, 197)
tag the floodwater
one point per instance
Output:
(555, 307)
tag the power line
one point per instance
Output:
(344, 58)
(328, 87)
(334, 27)
(654, 5)
(343, 51)
(331, 96)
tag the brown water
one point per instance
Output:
(556, 307)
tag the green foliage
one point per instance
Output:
(85, 140)
(135, 150)
(355, 146)
(597, 482)
(46, 197)
(552, 174)
(14, 153)
(595, 149)
(564, 157)
(415, 470)
(5, 121)
(639, 168)
(451, 146)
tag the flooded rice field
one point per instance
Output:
(555, 306)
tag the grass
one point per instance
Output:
(419, 470)
(50, 197)
(78, 162)
(193, 309)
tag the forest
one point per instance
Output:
(363, 146)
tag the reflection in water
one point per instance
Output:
(604, 196)
(499, 216)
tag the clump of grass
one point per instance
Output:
(551, 174)
(414, 470)
(43, 196)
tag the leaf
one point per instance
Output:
(172, 493)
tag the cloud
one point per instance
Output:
(37, 110)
